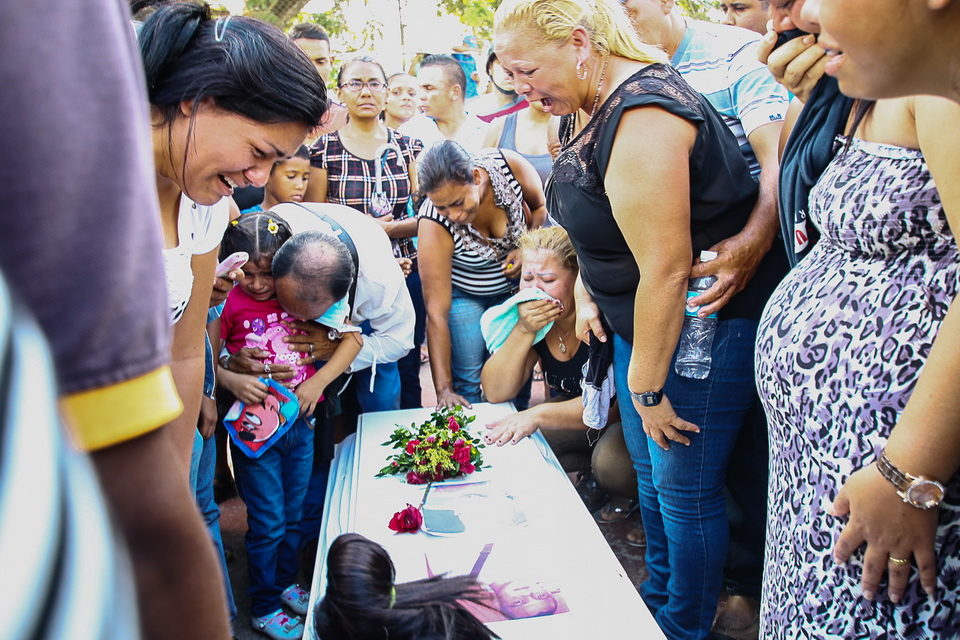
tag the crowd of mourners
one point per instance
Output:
(308, 231)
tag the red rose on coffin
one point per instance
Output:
(467, 468)
(415, 478)
(453, 424)
(411, 446)
(406, 521)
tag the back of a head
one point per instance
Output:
(308, 31)
(363, 602)
(260, 235)
(606, 21)
(244, 65)
(312, 258)
(452, 70)
(399, 75)
(554, 240)
(445, 161)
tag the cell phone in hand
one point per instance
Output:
(231, 262)
(788, 35)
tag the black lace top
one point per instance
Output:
(722, 192)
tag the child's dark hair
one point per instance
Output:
(303, 152)
(444, 162)
(259, 234)
(245, 65)
(363, 602)
(308, 31)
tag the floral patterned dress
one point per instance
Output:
(841, 344)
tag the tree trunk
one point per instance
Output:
(287, 10)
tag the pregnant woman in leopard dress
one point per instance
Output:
(842, 345)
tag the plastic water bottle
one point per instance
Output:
(696, 339)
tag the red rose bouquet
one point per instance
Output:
(438, 449)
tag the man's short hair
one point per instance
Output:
(452, 70)
(308, 31)
(315, 258)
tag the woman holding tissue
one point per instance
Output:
(537, 325)
(476, 211)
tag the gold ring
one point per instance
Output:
(898, 562)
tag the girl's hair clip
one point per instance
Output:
(272, 227)
(235, 222)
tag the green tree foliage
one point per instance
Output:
(332, 21)
(476, 14)
(696, 8)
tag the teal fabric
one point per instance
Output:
(336, 316)
(497, 322)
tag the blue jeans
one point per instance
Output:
(211, 512)
(386, 386)
(273, 488)
(468, 351)
(409, 365)
(682, 490)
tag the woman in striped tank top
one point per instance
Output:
(476, 209)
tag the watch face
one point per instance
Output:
(925, 494)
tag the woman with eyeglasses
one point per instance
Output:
(370, 167)
(365, 164)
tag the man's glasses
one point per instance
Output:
(355, 86)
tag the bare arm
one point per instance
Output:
(436, 255)
(316, 186)
(566, 415)
(492, 138)
(531, 186)
(506, 370)
(174, 563)
(739, 256)
(652, 210)
(793, 112)
(309, 391)
(187, 354)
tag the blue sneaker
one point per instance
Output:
(279, 626)
(296, 598)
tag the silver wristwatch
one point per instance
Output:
(917, 491)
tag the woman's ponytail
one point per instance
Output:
(164, 38)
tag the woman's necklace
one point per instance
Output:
(596, 101)
(596, 96)
(560, 344)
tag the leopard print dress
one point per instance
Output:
(841, 344)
